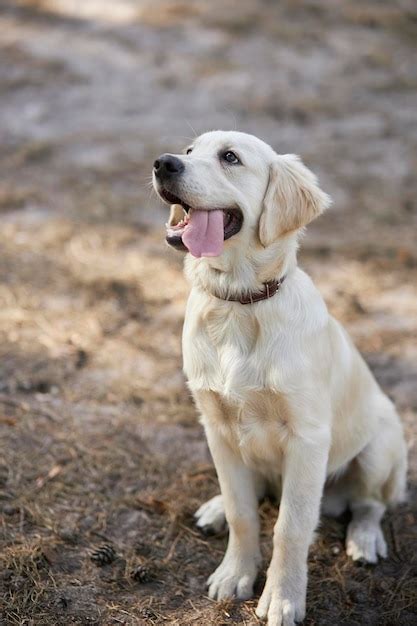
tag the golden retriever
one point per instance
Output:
(287, 402)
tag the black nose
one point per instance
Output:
(167, 166)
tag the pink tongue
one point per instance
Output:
(203, 234)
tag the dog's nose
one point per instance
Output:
(167, 166)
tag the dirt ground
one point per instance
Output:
(103, 461)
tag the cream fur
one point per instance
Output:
(285, 398)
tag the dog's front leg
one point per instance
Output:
(283, 598)
(237, 572)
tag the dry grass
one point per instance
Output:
(99, 438)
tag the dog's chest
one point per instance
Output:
(257, 428)
(220, 349)
(230, 372)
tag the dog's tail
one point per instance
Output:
(395, 489)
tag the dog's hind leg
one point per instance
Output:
(211, 518)
(365, 540)
(378, 479)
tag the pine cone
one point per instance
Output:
(103, 555)
(142, 574)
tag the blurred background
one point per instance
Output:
(103, 460)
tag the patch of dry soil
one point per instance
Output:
(101, 446)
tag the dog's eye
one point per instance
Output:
(230, 157)
(189, 150)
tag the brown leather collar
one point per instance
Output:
(269, 289)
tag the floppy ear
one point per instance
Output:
(292, 200)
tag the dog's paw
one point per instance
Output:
(234, 578)
(210, 517)
(278, 606)
(365, 542)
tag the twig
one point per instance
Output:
(398, 586)
(26, 407)
(172, 548)
(395, 540)
(5, 399)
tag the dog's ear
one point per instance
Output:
(292, 199)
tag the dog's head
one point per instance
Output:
(230, 188)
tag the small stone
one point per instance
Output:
(7, 574)
(64, 602)
(143, 548)
(68, 534)
(9, 509)
(358, 596)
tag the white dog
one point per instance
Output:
(286, 400)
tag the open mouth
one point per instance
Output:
(199, 231)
